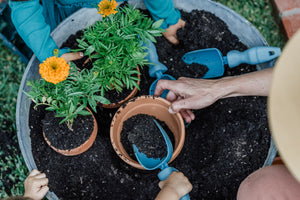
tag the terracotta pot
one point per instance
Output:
(83, 147)
(149, 105)
(131, 95)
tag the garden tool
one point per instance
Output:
(156, 68)
(154, 163)
(213, 59)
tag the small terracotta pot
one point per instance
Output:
(149, 105)
(83, 147)
(131, 95)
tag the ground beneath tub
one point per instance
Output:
(225, 143)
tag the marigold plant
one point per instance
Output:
(107, 7)
(68, 95)
(115, 44)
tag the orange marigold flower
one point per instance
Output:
(54, 69)
(107, 7)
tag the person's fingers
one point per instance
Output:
(181, 23)
(39, 176)
(161, 184)
(171, 107)
(171, 96)
(34, 172)
(189, 103)
(44, 190)
(72, 56)
(42, 181)
(185, 116)
(172, 39)
(163, 85)
(181, 104)
(191, 114)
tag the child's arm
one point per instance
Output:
(164, 9)
(174, 187)
(30, 23)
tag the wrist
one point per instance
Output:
(226, 87)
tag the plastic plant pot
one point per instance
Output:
(149, 105)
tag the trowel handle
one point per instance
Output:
(252, 56)
(165, 173)
(156, 68)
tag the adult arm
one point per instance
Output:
(188, 93)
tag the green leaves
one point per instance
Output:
(115, 47)
(68, 98)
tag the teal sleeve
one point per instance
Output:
(29, 21)
(163, 9)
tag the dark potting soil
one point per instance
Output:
(224, 144)
(61, 137)
(143, 132)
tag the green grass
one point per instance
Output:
(13, 169)
(261, 15)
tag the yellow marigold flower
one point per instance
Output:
(54, 69)
(107, 7)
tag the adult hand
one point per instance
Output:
(177, 184)
(170, 33)
(72, 56)
(36, 185)
(188, 93)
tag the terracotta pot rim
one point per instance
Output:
(132, 162)
(131, 95)
(83, 147)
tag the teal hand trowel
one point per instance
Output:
(156, 68)
(162, 163)
(213, 59)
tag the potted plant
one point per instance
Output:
(118, 180)
(114, 46)
(156, 107)
(66, 93)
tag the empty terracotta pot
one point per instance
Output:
(149, 105)
(83, 147)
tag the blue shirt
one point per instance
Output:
(34, 22)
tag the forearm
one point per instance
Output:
(252, 84)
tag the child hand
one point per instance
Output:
(170, 33)
(36, 185)
(72, 56)
(177, 183)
